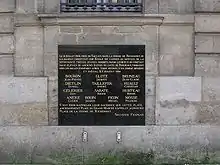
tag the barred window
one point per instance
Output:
(101, 5)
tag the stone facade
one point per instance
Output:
(182, 77)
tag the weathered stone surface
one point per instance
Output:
(19, 90)
(178, 88)
(207, 23)
(216, 43)
(176, 51)
(51, 37)
(26, 6)
(23, 101)
(24, 114)
(150, 103)
(150, 84)
(6, 44)
(208, 113)
(71, 29)
(53, 144)
(129, 29)
(28, 66)
(67, 39)
(207, 43)
(165, 141)
(207, 65)
(150, 6)
(178, 112)
(29, 51)
(6, 65)
(107, 39)
(207, 6)
(51, 64)
(181, 19)
(45, 142)
(184, 112)
(174, 99)
(176, 6)
(15, 145)
(52, 6)
(6, 25)
(92, 29)
(53, 101)
(211, 89)
(51, 34)
(28, 20)
(7, 6)
(204, 43)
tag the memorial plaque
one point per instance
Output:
(101, 85)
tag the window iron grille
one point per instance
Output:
(101, 5)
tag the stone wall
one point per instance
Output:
(182, 76)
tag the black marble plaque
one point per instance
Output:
(101, 85)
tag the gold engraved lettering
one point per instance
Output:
(72, 90)
(101, 83)
(72, 83)
(72, 76)
(101, 90)
(73, 97)
(131, 90)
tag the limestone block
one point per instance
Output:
(129, 29)
(207, 43)
(207, 6)
(211, 89)
(207, 23)
(175, 97)
(150, 6)
(178, 88)
(204, 43)
(208, 113)
(92, 29)
(67, 39)
(150, 110)
(52, 144)
(52, 6)
(6, 25)
(23, 101)
(176, 51)
(106, 39)
(207, 65)
(216, 44)
(70, 29)
(7, 6)
(51, 36)
(6, 65)
(40, 6)
(26, 6)
(15, 145)
(175, 6)
(29, 51)
(6, 44)
(150, 84)
(53, 100)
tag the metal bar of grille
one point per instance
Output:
(101, 6)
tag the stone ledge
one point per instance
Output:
(106, 19)
(116, 19)
(96, 20)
